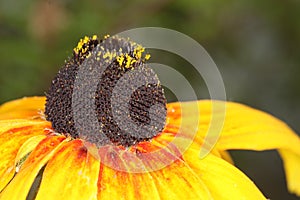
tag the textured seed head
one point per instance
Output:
(129, 102)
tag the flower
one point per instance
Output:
(41, 163)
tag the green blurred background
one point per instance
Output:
(254, 44)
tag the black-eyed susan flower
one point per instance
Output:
(46, 154)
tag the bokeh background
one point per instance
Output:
(255, 45)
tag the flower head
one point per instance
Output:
(54, 151)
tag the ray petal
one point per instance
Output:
(173, 181)
(12, 136)
(71, 174)
(249, 129)
(25, 108)
(20, 185)
(222, 179)
(179, 181)
(116, 184)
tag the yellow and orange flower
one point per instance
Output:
(28, 146)
(44, 157)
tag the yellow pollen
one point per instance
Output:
(109, 55)
(124, 60)
(84, 50)
(128, 61)
(86, 39)
(106, 55)
(147, 56)
(138, 52)
(89, 55)
(94, 37)
(120, 60)
(83, 42)
(132, 62)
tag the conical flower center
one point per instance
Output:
(128, 101)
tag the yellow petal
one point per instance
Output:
(25, 108)
(71, 174)
(12, 135)
(27, 147)
(180, 181)
(5, 125)
(176, 181)
(222, 179)
(115, 184)
(121, 185)
(20, 185)
(292, 170)
(226, 156)
(248, 128)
